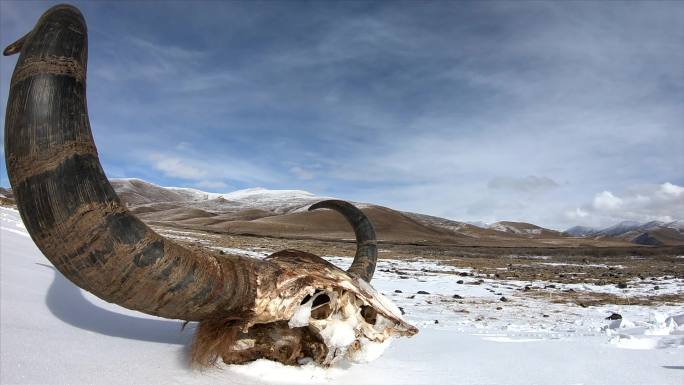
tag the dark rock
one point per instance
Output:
(460, 282)
(398, 291)
(526, 288)
(621, 285)
(614, 316)
(422, 292)
(456, 296)
(401, 309)
(463, 274)
(412, 297)
(436, 321)
(656, 287)
(503, 299)
(499, 308)
(545, 315)
(550, 287)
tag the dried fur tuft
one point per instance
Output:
(213, 339)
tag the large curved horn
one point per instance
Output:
(366, 245)
(71, 210)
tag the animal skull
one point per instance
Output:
(315, 311)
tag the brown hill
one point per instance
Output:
(138, 192)
(525, 229)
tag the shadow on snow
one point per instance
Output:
(67, 303)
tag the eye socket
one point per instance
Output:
(305, 300)
(369, 314)
(321, 309)
(320, 300)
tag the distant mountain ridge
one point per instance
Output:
(652, 233)
(522, 228)
(137, 192)
(284, 213)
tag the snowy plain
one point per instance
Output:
(52, 332)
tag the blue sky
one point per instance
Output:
(556, 113)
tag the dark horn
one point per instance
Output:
(366, 245)
(71, 210)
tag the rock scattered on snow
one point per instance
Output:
(614, 316)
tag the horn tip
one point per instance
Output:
(11, 49)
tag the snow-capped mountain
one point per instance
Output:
(283, 213)
(580, 231)
(676, 225)
(651, 233)
(139, 192)
(619, 228)
(521, 228)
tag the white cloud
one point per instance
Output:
(176, 168)
(643, 203)
(183, 146)
(577, 213)
(208, 184)
(606, 201)
(302, 173)
(210, 172)
(670, 189)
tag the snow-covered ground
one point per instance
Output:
(53, 332)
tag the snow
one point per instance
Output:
(339, 333)
(301, 315)
(279, 201)
(54, 333)
(515, 229)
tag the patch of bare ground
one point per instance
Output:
(7, 202)
(586, 299)
(610, 266)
